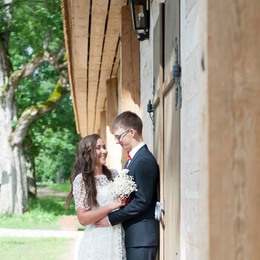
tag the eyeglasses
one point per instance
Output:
(118, 137)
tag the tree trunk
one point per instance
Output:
(14, 190)
(58, 181)
(7, 198)
(31, 181)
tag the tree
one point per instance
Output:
(31, 42)
(51, 143)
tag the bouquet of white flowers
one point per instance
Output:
(123, 185)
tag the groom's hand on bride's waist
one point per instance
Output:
(104, 222)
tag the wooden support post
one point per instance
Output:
(130, 64)
(129, 67)
(103, 119)
(230, 148)
(111, 114)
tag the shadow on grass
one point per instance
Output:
(53, 205)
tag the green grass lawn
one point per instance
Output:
(44, 213)
(35, 248)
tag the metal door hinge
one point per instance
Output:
(176, 72)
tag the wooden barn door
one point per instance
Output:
(167, 104)
(171, 183)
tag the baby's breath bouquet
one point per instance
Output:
(123, 185)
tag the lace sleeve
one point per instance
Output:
(114, 173)
(79, 192)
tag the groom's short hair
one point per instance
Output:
(128, 120)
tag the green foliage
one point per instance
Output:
(51, 141)
(32, 21)
(29, 248)
(57, 153)
(33, 90)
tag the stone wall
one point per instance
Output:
(190, 146)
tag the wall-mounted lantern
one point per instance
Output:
(140, 18)
(150, 110)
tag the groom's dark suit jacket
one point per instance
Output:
(141, 228)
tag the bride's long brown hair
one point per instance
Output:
(85, 162)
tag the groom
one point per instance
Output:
(141, 228)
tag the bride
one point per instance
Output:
(93, 201)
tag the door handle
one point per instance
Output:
(158, 210)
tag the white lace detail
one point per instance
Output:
(79, 192)
(99, 243)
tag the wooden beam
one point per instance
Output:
(130, 64)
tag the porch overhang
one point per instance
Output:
(92, 39)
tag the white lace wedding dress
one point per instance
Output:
(106, 243)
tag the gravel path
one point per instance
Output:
(7, 232)
(43, 192)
